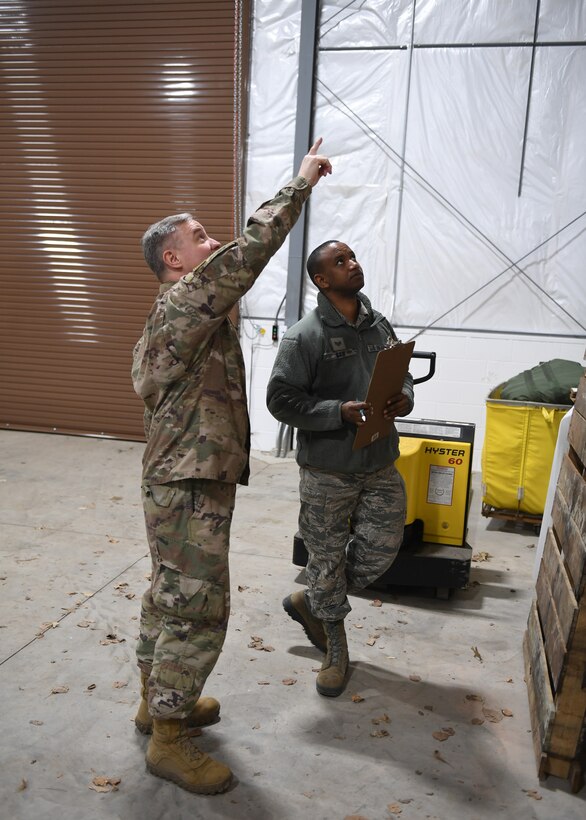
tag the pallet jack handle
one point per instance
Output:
(420, 354)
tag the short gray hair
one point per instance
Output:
(154, 238)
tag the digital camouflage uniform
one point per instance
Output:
(189, 370)
(352, 510)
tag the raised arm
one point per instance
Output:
(201, 300)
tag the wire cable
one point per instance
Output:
(279, 308)
(337, 14)
(418, 178)
(502, 273)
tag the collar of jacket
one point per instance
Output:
(330, 316)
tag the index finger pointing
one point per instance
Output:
(315, 147)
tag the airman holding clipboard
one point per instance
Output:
(341, 378)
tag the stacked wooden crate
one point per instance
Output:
(554, 645)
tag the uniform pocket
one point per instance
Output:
(209, 526)
(313, 495)
(190, 599)
(161, 494)
(163, 510)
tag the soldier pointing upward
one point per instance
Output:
(189, 371)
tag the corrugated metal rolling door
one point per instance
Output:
(115, 114)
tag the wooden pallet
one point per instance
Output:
(517, 516)
(554, 645)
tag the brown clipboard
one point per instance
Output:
(387, 379)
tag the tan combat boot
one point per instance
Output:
(331, 679)
(173, 755)
(205, 712)
(295, 605)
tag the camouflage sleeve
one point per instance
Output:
(201, 300)
(288, 391)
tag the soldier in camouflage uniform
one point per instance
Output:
(189, 371)
(352, 510)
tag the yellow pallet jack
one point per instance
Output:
(436, 465)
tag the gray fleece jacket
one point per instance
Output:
(322, 362)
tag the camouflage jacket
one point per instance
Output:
(188, 366)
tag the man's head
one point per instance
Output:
(332, 266)
(176, 245)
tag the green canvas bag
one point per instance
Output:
(547, 383)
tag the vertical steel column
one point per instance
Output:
(529, 90)
(303, 128)
(403, 159)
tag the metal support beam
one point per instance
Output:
(303, 128)
(529, 89)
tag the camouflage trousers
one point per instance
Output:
(185, 612)
(352, 526)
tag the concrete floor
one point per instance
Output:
(73, 565)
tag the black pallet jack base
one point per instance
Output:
(439, 566)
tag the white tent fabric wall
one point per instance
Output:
(450, 220)
(271, 130)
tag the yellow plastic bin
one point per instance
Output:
(517, 455)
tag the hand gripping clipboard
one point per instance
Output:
(387, 379)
